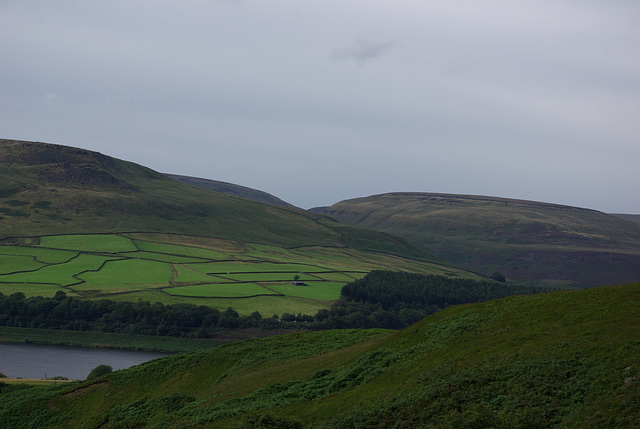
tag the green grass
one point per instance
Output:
(45, 290)
(8, 263)
(104, 265)
(129, 271)
(89, 243)
(185, 273)
(255, 267)
(566, 359)
(229, 290)
(140, 274)
(265, 305)
(328, 291)
(62, 274)
(171, 249)
(339, 277)
(268, 277)
(46, 256)
(112, 290)
(32, 382)
(160, 257)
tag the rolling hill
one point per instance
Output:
(524, 240)
(231, 189)
(50, 189)
(630, 217)
(564, 359)
(97, 227)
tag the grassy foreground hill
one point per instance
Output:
(565, 359)
(524, 240)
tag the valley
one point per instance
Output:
(260, 300)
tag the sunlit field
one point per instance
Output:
(122, 267)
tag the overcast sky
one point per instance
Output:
(320, 101)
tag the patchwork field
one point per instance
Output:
(173, 269)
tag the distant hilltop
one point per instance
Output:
(231, 189)
(524, 240)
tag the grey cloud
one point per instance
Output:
(539, 101)
(362, 50)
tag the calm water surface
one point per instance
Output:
(75, 363)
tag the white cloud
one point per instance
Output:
(362, 50)
(50, 97)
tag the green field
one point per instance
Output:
(217, 273)
(187, 274)
(109, 243)
(222, 290)
(61, 274)
(339, 277)
(313, 290)
(10, 262)
(268, 277)
(170, 249)
(46, 256)
(129, 271)
(172, 259)
(45, 290)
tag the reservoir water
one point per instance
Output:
(75, 363)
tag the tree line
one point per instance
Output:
(395, 300)
(141, 317)
(381, 299)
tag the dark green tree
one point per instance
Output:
(499, 277)
(99, 371)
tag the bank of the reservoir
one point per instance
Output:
(106, 340)
(75, 363)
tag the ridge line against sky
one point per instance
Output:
(317, 102)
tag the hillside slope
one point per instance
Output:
(565, 359)
(630, 217)
(51, 189)
(231, 189)
(525, 240)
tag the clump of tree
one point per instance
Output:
(99, 371)
(394, 300)
(499, 277)
(142, 317)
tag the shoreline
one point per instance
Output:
(34, 381)
(105, 340)
(121, 341)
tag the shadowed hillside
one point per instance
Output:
(524, 240)
(231, 189)
(565, 359)
(630, 217)
(51, 189)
